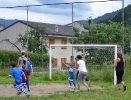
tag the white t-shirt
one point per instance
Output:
(81, 66)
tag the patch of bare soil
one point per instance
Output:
(39, 89)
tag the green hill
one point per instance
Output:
(118, 17)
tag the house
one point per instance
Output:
(56, 34)
(79, 25)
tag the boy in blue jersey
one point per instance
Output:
(71, 79)
(17, 74)
(29, 66)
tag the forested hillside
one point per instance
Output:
(118, 17)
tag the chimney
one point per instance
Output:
(56, 28)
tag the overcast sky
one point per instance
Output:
(60, 14)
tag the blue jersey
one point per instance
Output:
(29, 66)
(17, 74)
(71, 73)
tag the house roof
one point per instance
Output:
(50, 28)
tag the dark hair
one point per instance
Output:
(23, 67)
(79, 56)
(13, 64)
(119, 55)
(23, 53)
(28, 59)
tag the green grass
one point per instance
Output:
(103, 78)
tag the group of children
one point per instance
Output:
(21, 74)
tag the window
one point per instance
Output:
(55, 62)
(52, 41)
(63, 60)
(63, 42)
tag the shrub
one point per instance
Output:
(8, 56)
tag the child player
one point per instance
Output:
(17, 74)
(27, 77)
(71, 73)
(29, 66)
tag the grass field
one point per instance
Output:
(109, 92)
(104, 79)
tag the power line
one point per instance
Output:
(61, 3)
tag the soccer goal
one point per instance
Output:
(97, 57)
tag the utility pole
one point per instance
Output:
(72, 57)
(27, 34)
(123, 26)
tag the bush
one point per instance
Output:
(8, 56)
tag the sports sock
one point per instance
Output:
(22, 90)
(17, 88)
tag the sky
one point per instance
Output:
(57, 14)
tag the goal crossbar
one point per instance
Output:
(80, 45)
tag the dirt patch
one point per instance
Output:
(39, 89)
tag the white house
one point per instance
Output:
(56, 34)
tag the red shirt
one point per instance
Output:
(27, 76)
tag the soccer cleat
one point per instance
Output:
(77, 91)
(18, 93)
(124, 88)
(27, 96)
(88, 89)
(69, 86)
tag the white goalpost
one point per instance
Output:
(114, 49)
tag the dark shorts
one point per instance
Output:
(77, 74)
(119, 75)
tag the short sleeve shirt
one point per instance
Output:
(81, 65)
(17, 74)
(27, 75)
(29, 66)
(71, 73)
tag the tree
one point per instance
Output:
(89, 20)
(102, 34)
(13, 44)
(105, 34)
(36, 40)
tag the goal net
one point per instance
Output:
(97, 57)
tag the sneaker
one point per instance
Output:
(69, 86)
(77, 91)
(74, 87)
(28, 90)
(27, 96)
(18, 93)
(119, 89)
(88, 89)
(124, 88)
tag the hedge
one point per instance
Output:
(8, 56)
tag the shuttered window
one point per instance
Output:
(63, 42)
(63, 60)
(52, 41)
(55, 62)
